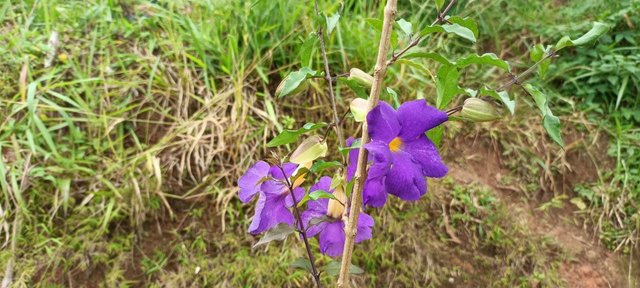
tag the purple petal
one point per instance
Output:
(332, 239)
(379, 152)
(426, 153)
(257, 224)
(353, 159)
(405, 178)
(248, 182)
(288, 168)
(298, 192)
(307, 216)
(365, 223)
(383, 123)
(270, 211)
(416, 118)
(273, 186)
(373, 193)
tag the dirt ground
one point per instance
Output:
(591, 264)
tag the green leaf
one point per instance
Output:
(596, 31)
(439, 4)
(551, 124)
(414, 64)
(332, 21)
(315, 195)
(337, 181)
(406, 27)
(355, 87)
(435, 135)
(320, 194)
(279, 233)
(290, 136)
(538, 97)
(538, 53)
(454, 28)
(302, 263)
(349, 188)
(503, 96)
(319, 166)
(394, 96)
(447, 85)
(465, 22)
(484, 59)
(563, 42)
(293, 80)
(333, 268)
(307, 49)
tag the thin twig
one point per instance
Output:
(518, 79)
(454, 110)
(360, 175)
(327, 77)
(335, 78)
(417, 40)
(303, 233)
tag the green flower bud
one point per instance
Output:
(309, 150)
(301, 87)
(360, 77)
(359, 109)
(478, 110)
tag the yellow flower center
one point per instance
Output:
(395, 144)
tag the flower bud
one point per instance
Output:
(478, 110)
(310, 149)
(335, 208)
(360, 77)
(299, 176)
(301, 88)
(359, 109)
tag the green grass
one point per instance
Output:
(152, 109)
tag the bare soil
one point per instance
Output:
(590, 263)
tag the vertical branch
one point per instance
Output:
(303, 232)
(327, 77)
(360, 175)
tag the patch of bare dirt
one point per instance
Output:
(589, 264)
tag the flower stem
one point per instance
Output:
(327, 77)
(360, 175)
(303, 232)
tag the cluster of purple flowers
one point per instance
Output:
(400, 159)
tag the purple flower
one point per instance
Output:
(401, 153)
(274, 199)
(331, 232)
(373, 193)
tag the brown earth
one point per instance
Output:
(590, 264)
